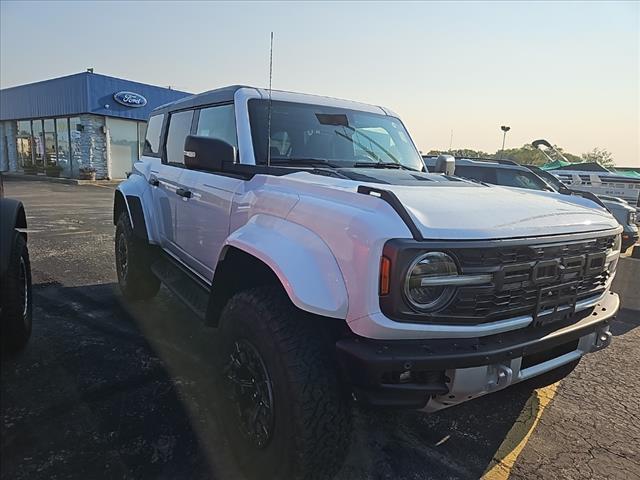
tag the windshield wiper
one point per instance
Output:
(311, 162)
(394, 165)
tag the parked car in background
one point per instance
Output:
(337, 269)
(16, 307)
(510, 174)
(625, 213)
(623, 202)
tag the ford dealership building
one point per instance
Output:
(80, 122)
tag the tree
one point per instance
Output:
(525, 155)
(529, 155)
(600, 156)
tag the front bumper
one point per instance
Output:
(434, 374)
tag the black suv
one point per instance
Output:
(508, 173)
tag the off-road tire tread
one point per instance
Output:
(14, 331)
(141, 283)
(322, 417)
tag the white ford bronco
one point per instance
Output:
(339, 270)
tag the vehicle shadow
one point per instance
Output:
(108, 388)
(460, 442)
(625, 321)
(100, 392)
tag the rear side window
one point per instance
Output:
(482, 174)
(179, 128)
(519, 179)
(218, 122)
(152, 140)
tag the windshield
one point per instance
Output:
(550, 179)
(340, 137)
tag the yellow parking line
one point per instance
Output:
(511, 447)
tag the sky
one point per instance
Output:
(453, 71)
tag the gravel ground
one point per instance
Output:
(107, 389)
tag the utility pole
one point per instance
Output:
(504, 129)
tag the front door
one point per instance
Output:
(203, 218)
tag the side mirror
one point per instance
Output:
(206, 153)
(445, 164)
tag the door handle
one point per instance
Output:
(154, 181)
(183, 193)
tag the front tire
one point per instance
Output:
(282, 407)
(16, 298)
(133, 263)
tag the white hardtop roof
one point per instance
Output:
(229, 93)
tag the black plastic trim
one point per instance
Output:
(137, 217)
(397, 205)
(364, 361)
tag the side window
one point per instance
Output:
(179, 128)
(218, 122)
(152, 139)
(515, 178)
(482, 174)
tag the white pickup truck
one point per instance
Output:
(338, 270)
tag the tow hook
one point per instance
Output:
(603, 339)
(503, 378)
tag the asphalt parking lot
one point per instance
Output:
(107, 389)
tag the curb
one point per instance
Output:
(66, 181)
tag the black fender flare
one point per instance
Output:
(12, 216)
(133, 205)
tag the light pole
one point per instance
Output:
(504, 129)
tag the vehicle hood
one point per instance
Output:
(455, 209)
(498, 212)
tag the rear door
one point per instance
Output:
(203, 219)
(165, 177)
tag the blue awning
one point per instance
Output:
(81, 93)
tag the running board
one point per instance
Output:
(183, 284)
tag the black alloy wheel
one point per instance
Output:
(250, 390)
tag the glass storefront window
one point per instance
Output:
(38, 144)
(24, 142)
(142, 134)
(64, 152)
(74, 135)
(50, 149)
(123, 146)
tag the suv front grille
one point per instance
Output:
(519, 274)
(497, 257)
(485, 302)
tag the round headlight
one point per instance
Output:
(617, 243)
(423, 289)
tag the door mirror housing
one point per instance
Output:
(445, 164)
(206, 153)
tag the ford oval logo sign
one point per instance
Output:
(130, 99)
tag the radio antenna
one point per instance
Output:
(269, 108)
